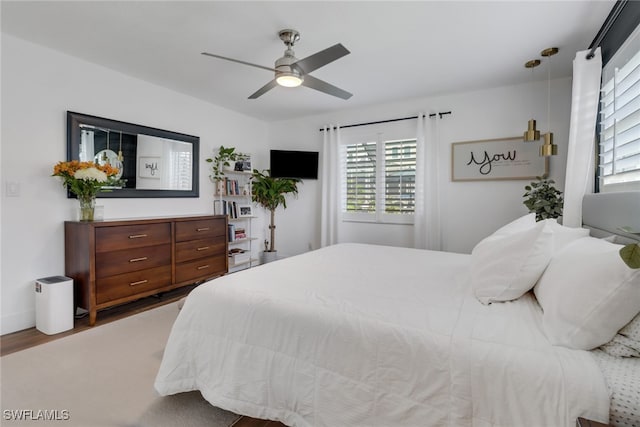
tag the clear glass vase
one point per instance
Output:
(87, 208)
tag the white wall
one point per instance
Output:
(38, 87)
(470, 210)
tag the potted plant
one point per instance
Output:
(543, 198)
(270, 192)
(226, 157)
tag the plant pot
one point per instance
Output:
(267, 256)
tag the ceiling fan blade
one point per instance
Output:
(264, 89)
(322, 86)
(238, 61)
(319, 59)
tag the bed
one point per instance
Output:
(364, 335)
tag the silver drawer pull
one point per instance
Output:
(204, 248)
(144, 258)
(137, 236)
(202, 229)
(202, 267)
(139, 282)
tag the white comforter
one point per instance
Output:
(360, 335)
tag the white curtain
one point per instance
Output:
(330, 186)
(582, 130)
(426, 226)
(87, 149)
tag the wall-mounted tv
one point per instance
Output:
(294, 164)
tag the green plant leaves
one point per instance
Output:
(630, 254)
(543, 199)
(270, 192)
(225, 156)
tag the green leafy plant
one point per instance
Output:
(543, 198)
(225, 156)
(631, 255)
(270, 192)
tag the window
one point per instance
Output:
(379, 191)
(360, 195)
(619, 123)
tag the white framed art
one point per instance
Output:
(497, 159)
(149, 167)
(244, 211)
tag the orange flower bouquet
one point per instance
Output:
(85, 180)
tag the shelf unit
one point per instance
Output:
(233, 198)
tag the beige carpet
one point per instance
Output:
(102, 377)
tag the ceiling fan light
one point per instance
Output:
(289, 80)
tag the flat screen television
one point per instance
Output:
(294, 164)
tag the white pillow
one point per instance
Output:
(506, 266)
(521, 224)
(562, 235)
(587, 294)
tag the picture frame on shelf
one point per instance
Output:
(245, 211)
(243, 164)
(217, 207)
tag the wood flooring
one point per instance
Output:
(10, 343)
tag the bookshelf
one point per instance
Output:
(233, 199)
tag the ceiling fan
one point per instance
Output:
(291, 71)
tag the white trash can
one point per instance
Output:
(54, 304)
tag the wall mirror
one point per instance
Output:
(153, 162)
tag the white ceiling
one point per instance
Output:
(399, 50)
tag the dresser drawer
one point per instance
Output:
(127, 260)
(132, 236)
(201, 268)
(124, 285)
(195, 249)
(200, 229)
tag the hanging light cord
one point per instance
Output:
(549, 95)
(120, 156)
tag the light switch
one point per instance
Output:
(13, 189)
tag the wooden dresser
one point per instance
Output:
(116, 261)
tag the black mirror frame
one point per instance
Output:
(73, 153)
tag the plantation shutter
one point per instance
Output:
(620, 124)
(400, 174)
(360, 185)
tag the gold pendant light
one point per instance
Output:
(548, 148)
(531, 134)
(120, 156)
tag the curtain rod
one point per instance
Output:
(388, 121)
(611, 18)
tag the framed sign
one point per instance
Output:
(497, 159)
(148, 167)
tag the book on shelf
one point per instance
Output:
(232, 232)
(231, 187)
(225, 207)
